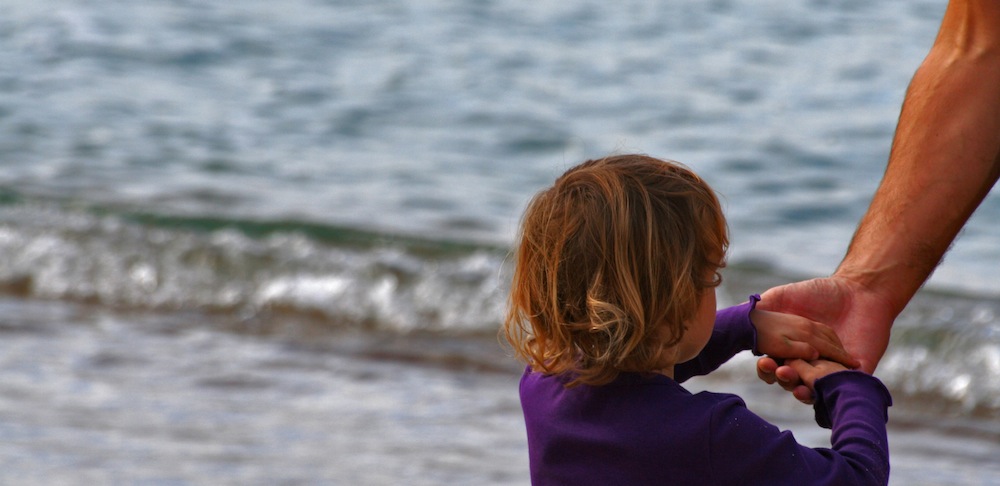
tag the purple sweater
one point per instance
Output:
(647, 429)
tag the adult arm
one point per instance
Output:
(945, 158)
(943, 161)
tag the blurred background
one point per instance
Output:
(265, 242)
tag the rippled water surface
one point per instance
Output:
(257, 242)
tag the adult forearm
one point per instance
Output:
(944, 160)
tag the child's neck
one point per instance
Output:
(666, 362)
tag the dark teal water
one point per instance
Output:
(257, 242)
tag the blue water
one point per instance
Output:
(359, 168)
(435, 119)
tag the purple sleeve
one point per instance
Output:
(854, 403)
(856, 406)
(733, 333)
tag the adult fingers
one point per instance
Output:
(766, 367)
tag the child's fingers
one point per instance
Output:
(803, 394)
(805, 371)
(800, 349)
(787, 377)
(825, 340)
(833, 350)
(792, 372)
(771, 371)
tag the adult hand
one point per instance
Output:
(860, 316)
(790, 336)
(945, 158)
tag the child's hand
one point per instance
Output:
(810, 371)
(786, 336)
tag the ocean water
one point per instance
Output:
(267, 242)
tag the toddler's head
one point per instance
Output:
(611, 263)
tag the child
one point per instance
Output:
(613, 305)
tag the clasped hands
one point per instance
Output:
(810, 329)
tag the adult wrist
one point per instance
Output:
(893, 288)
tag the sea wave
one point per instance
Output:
(346, 277)
(944, 354)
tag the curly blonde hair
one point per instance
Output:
(610, 264)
